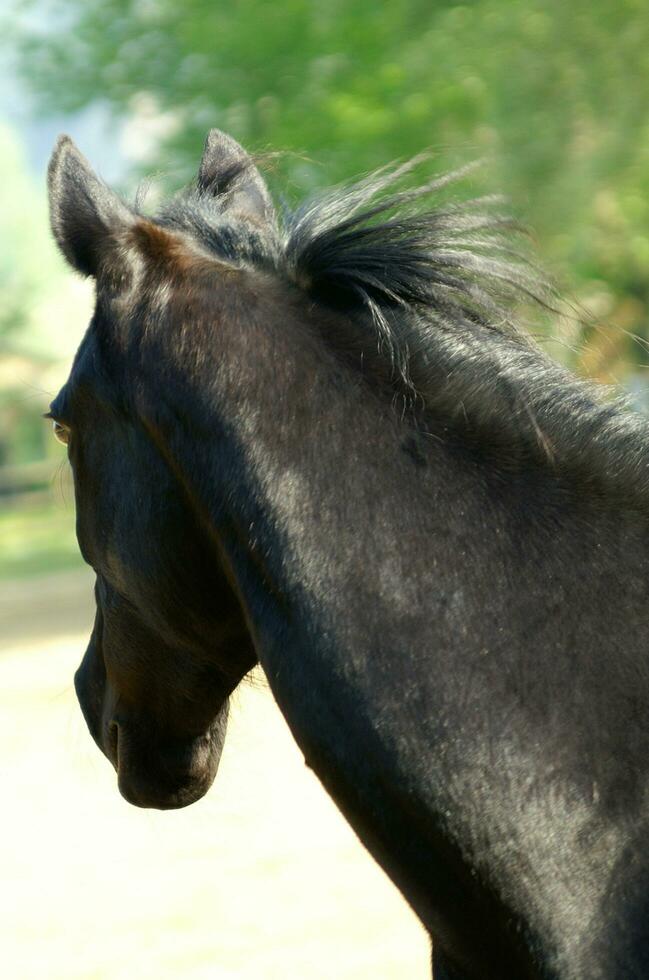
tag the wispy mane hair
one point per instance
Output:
(433, 294)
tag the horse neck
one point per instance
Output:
(354, 541)
(304, 475)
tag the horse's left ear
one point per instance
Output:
(228, 173)
(84, 213)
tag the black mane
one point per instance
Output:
(435, 291)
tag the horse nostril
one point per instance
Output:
(112, 743)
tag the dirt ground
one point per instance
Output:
(262, 879)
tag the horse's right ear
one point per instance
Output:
(84, 213)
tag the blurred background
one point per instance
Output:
(262, 878)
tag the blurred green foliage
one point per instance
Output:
(37, 539)
(33, 308)
(28, 263)
(557, 93)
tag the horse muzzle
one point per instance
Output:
(161, 772)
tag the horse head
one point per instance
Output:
(169, 642)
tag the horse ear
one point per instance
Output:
(228, 173)
(84, 212)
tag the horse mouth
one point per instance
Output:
(155, 769)
(110, 747)
(168, 794)
(166, 774)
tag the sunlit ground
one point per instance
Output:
(261, 879)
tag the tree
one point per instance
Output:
(28, 261)
(557, 93)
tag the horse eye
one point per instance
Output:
(61, 432)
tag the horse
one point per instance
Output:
(318, 441)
